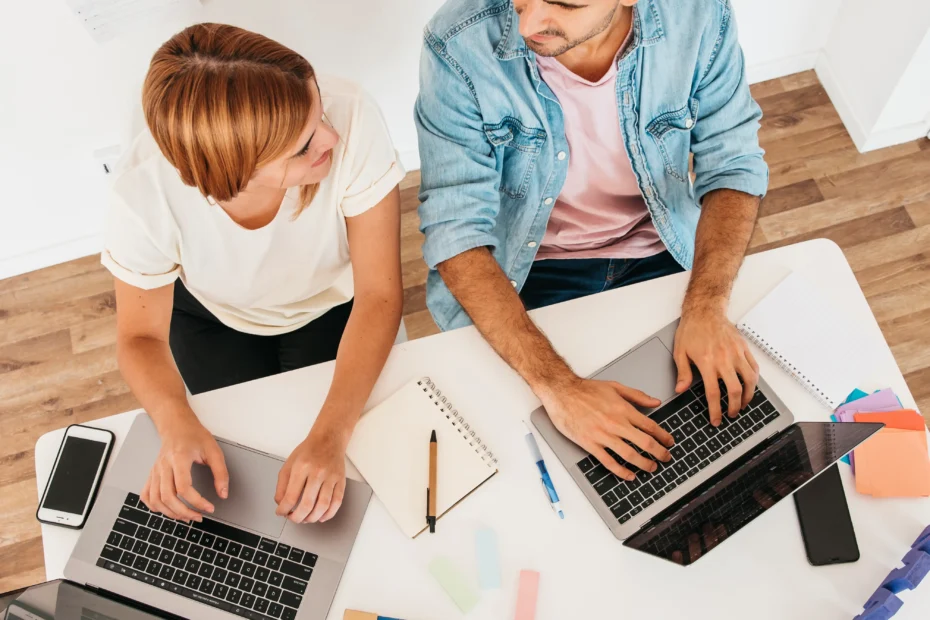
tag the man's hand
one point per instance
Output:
(312, 482)
(597, 415)
(184, 443)
(708, 339)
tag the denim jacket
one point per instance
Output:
(492, 140)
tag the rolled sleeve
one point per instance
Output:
(725, 140)
(374, 169)
(131, 254)
(458, 175)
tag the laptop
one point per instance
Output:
(242, 561)
(719, 479)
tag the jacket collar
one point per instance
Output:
(647, 30)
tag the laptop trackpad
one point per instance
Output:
(650, 368)
(252, 481)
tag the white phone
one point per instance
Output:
(72, 486)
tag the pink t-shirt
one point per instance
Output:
(600, 212)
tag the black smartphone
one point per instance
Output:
(826, 525)
(72, 486)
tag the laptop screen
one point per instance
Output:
(747, 488)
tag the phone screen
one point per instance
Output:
(73, 478)
(826, 525)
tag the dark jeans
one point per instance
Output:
(554, 280)
(211, 355)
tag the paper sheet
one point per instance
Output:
(894, 463)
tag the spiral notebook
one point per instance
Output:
(390, 448)
(809, 337)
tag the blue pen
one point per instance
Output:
(551, 495)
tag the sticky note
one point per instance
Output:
(904, 419)
(882, 400)
(894, 463)
(352, 614)
(855, 395)
(489, 566)
(526, 595)
(454, 582)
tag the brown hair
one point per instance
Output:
(221, 101)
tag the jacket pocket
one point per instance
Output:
(518, 148)
(672, 134)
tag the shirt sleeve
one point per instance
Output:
(725, 138)
(459, 198)
(374, 169)
(130, 251)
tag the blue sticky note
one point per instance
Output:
(489, 567)
(855, 395)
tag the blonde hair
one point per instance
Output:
(221, 101)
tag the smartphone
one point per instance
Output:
(826, 525)
(72, 486)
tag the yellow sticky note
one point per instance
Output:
(894, 463)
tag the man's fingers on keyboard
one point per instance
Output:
(650, 444)
(647, 424)
(611, 464)
(628, 454)
(712, 392)
(734, 391)
(749, 372)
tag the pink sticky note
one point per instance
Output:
(526, 595)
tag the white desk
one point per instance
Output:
(761, 573)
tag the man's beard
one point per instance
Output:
(567, 45)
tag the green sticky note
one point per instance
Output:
(454, 583)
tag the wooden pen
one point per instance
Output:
(432, 488)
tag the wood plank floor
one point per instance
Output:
(57, 325)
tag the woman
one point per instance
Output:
(254, 229)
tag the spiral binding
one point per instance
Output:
(784, 364)
(458, 421)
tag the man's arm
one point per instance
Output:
(730, 176)
(594, 414)
(705, 336)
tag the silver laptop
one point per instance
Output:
(241, 561)
(719, 479)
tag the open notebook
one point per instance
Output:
(798, 327)
(390, 447)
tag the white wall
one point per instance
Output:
(873, 51)
(783, 36)
(62, 96)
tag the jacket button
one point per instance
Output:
(689, 123)
(531, 244)
(513, 283)
(547, 201)
(561, 155)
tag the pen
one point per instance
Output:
(551, 495)
(431, 489)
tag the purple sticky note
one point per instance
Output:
(882, 400)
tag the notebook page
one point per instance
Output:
(390, 448)
(809, 337)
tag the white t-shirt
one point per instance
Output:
(267, 281)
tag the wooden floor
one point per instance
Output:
(57, 325)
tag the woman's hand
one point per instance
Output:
(184, 443)
(312, 482)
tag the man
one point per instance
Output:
(555, 138)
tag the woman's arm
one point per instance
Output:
(143, 319)
(316, 468)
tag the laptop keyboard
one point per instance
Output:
(697, 445)
(211, 562)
